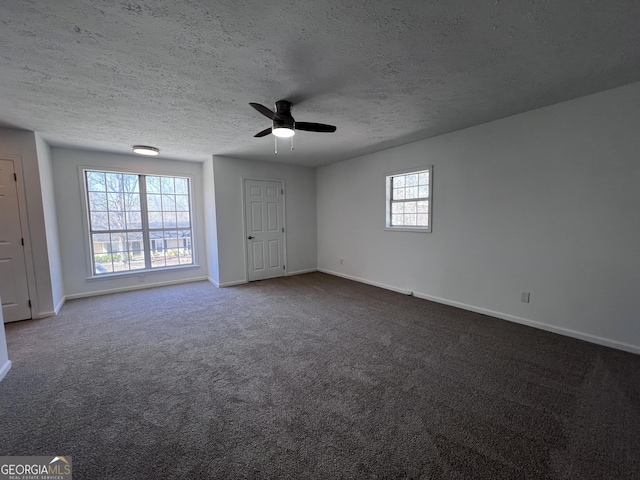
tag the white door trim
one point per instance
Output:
(244, 222)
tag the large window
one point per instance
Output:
(409, 200)
(138, 222)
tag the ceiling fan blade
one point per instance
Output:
(315, 127)
(263, 133)
(263, 110)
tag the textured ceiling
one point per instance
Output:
(179, 75)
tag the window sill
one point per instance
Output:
(133, 273)
(408, 229)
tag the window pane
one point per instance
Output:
(100, 238)
(95, 182)
(411, 180)
(182, 186)
(114, 202)
(423, 207)
(411, 192)
(398, 182)
(397, 207)
(166, 249)
(423, 191)
(182, 203)
(183, 220)
(410, 207)
(99, 221)
(130, 184)
(134, 220)
(155, 220)
(97, 201)
(423, 219)
(397, 219)
(134, 253)
(185, 254)
(154, 203)
(168, 202)
(167, 185)
(423, 178)
(398, 193)
(116, 243)
(117, 221)
(153, 184)
(169, 220)
(102, 264)
(173, 243)
(132, 201)
(409, 219)
(114, 182)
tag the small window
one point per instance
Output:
(138, 222)
(409, 200)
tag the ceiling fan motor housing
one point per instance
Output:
(282, 117)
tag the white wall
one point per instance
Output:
(22, 145)
(70, 212)
(50, 221)
(300, 215)
(5, 364)
(545, 202)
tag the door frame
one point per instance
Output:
(244, 223)
(26, 232)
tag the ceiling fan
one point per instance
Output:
(284, 125)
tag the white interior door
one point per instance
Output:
(265, 228)
(13, 272)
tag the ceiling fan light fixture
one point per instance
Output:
(283, 132)
(146, 150)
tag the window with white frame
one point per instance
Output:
(409, 199)
(138, 222)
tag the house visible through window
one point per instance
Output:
(409, 200)
(138, 222)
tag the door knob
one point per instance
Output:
(250, 237)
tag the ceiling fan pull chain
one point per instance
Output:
(291, 144)
(276, 141)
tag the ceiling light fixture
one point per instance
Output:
(145, 150)
(283, 132)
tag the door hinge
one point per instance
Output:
(282, 229)
(22, 240)
(282, 191)
(29, 303)
(284, 267)
(15, 177)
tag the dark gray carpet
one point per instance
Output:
(311, 377)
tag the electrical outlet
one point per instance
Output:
(341, 261)
(524, 297)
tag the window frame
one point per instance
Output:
(389, 198)
(146, 230)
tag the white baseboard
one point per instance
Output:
(242, 282)
(233, 284)
(368, 282)
(301, 272)
(5, 369)
(134, 287)
(535, 324)
(213, 282)
(503, 316)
